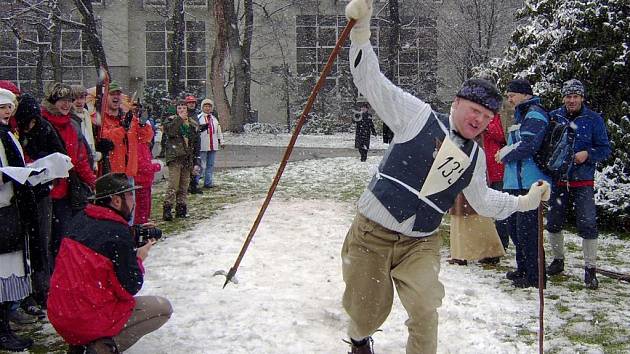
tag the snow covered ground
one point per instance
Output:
(288, 299)
(339, 140)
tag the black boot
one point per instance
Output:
(167, 214)
(365, 346)
(194, 187)
(590, 278)
(556, 267)
(103, 345)
(8, 339)
(516, 274)
(181, 210)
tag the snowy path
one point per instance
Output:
(288, 298)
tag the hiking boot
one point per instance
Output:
(524, 283)
(29, 305)
(461, 262)
(490, 261)
(19, 317)
(556, 267)
(365, 346)
(181, 210)
(513, 275)
(167, 214)
(102, 346)
(590, 279)
(11, 342)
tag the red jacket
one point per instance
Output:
(96, 275)
(146, 167)
(493, 141)
(75, 149)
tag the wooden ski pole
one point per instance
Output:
(309, 104)
(541, 280)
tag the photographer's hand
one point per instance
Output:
(143, 252)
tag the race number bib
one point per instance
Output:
(449, 165)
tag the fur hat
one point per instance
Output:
(482, 92)
(207, 101)
(58, 91)
(7, 97)
(520, 86)
(573, 86)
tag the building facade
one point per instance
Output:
(291, 44)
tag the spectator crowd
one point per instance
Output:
(74, 239)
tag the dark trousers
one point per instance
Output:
(363, 153)
(42, 268)
(523, 229)
(583, 198)
(501, 225)
(61, 216)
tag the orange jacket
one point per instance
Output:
(124, 157)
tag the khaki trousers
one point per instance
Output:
(149, 314)
(374, 260)
(178, 182)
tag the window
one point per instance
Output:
(316, 36)
(158, 39)
(18, 59)
(187, 3)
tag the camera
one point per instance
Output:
(143, 235)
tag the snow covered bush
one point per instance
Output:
(262, 128)
(612, 197)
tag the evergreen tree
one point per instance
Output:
(559, 40)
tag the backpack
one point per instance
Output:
(555, 156)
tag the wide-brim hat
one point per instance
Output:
(112, 184)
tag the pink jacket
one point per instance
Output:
(146, 168)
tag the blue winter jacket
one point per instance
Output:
(590, 135)
(525, 137)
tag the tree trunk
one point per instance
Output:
(39, 69)
(393, 40)
(217, 63)
(55, 51)
(90, 33)
(175, 85)
(240, 56)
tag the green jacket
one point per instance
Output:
(176, 147)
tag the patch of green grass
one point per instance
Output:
(562, 308)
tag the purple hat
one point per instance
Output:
(482, 92)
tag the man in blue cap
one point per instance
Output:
(576, 188)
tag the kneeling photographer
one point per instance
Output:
(91, 302)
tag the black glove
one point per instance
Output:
(203, 127)
(126, 122)
(104, 146)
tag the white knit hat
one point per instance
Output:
(7, 97)
(207, 101)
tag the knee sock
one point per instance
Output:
(589, 247)
(556, 239)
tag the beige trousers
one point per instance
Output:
(149, 314)
(374, 260)
(178, 182)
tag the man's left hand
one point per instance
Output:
(580, 157)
